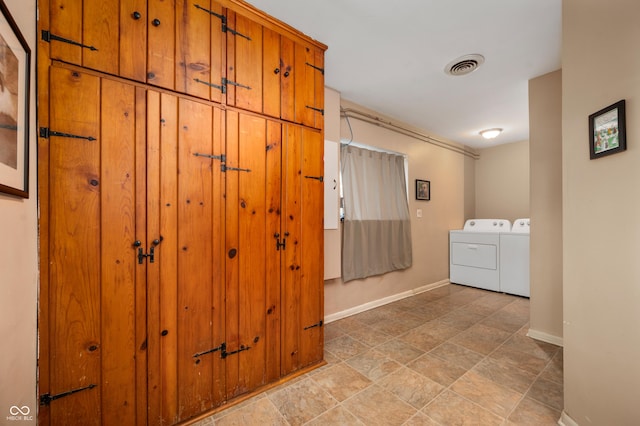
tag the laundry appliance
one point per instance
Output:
(514, 259)
(474, 253)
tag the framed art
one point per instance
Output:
(15, 56)
(607, 131)
(423, 190)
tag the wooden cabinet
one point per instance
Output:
(181, 230)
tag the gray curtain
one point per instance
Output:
(377, 230)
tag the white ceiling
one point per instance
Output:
(390, 57)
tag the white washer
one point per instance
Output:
(474, 253)
(514, 259)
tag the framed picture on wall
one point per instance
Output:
(607, 131)
(15, 56)
(423, 190)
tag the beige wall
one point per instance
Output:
(545, 154)
(601, 207)
(502, 182)
(18, 265)
(430, 233)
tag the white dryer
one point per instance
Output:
(514, 259)
(474, 253)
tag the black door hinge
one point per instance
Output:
(233, 83)
(47, 36)
(46, 133)
(319, 324)
(214, 157)
(320, 178)
(225, 354)
(314, 67)
(320, 110)
(223, 19)
(46, 398)
(222, 88)
(222, 348)
(224, 168)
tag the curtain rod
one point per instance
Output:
(371, 119)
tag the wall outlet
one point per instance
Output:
(419, 213)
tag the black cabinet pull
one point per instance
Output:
(286, 73)
(136, 15)
(276, 71)
(156, 22)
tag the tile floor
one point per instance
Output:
(450, 356)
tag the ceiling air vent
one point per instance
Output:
(464, 65)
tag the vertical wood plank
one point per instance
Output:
(195, 270)
(248, 64)
(141, 281)
(318, 87)
(193, 51)
(161, 43)
(74, 248)
(288, 76)
(152, 223)
(133, 39)
(167, 256)
(273, 259)
(252, 257)
(291, 266)
(218, 53)
(312, 250)
(66, 22)
(101, 29)
(232, 247)
(271, 72)
(304, 85)
(118, 232)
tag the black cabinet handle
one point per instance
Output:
(276, 71)
(156, 22)
(286, 74)
(136, 15)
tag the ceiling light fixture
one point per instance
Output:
(490, 133)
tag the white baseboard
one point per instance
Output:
(384, 301)
(545, 337)
(565, 420)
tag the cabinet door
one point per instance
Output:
(244, 62)
(252, 252)
(309, 86)
(279, 90)
(95, 289)
(186, 315)
(200, 48)
(161, 43)
(302, 293)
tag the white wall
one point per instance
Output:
(18, 264)
(601, 207)
(502, 182)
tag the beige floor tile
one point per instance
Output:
(375, 406)
(505, 321)
(486, 393)
(547, 392)
(421, 419)
(402, 324)
(260, 412)
(421, 339)
(531, 346)
(369, 336)
(505, 374)
(519, 359)
(461, 319)
(436, 369)
(452, 409)
(481, 339)
(554, 371)
(341, 381)
(302, 401)
(332, 331)
(373, 364)
(532, 413)
(411, 387)
(337, 416)
(399, 351)
(345, 347)
(463, 357)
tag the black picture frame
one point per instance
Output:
(15, 73)
(608, 131)
(423, 190)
